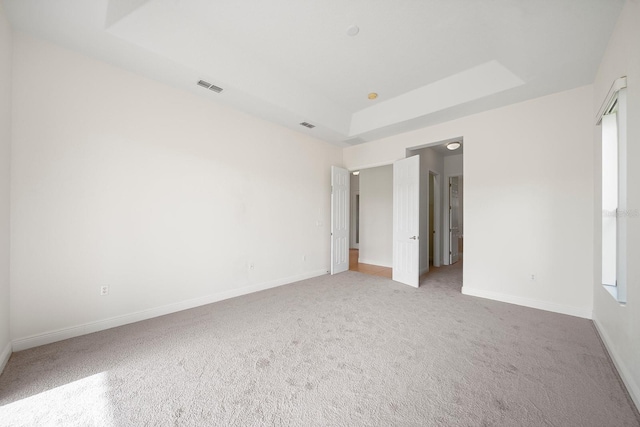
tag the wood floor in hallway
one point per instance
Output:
(375, 270)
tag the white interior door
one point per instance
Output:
(339, 220)
(406, 225)
(454, 227)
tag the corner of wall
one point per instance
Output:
(625, 374)
(113, 322)
(5, 176)
(5, 355)
(585, 313)
(617, 324)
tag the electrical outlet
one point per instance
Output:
(104, 290)
(533, 276)
(251, 266)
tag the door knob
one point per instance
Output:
(413, 237)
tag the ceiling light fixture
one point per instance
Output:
(372, 95)
(353, 31)
(356, 173)
(453, 145)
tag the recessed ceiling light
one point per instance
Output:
(453, 145)
(356, 173)
(372, 95)
(353, 31)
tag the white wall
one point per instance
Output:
(166, 197)
(5, 156)
(453, 165)
(376, 216)
(528, 188)
(619, 325)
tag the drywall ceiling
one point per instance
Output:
(292, 61)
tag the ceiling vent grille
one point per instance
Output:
(209, 86)
(308, 125)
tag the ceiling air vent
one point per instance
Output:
(210, 86)
(308, 125)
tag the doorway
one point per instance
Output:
(432, 218)
(372, 248)
(354, 229)
(439, 161)
(370, 242)
(455, 219)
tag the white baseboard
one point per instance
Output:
(374, 262)
(632, 387)
(5, 355)
(101, 325)
(528, 302)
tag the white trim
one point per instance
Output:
(618, 84)
(459, 139)
(373, 262)
(528, 302)
(101, 325)
(632, 387)
(353, 212)
(446, 235)
(437, 219)
(5, 355)
(613, 291)
(370, 166)
(622, 272)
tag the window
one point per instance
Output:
(609, 198)
(612, 118)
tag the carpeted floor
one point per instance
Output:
(349, 350)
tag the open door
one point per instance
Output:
(406, 225)
(454, 227)
(339, 220)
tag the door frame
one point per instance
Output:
(445, 210)
(437, 219)
(442, 251)
(354, 218)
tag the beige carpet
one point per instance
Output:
(349, 350)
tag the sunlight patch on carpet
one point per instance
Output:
(85, 399)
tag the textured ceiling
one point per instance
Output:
(290, 61)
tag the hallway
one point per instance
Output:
(374, 270)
